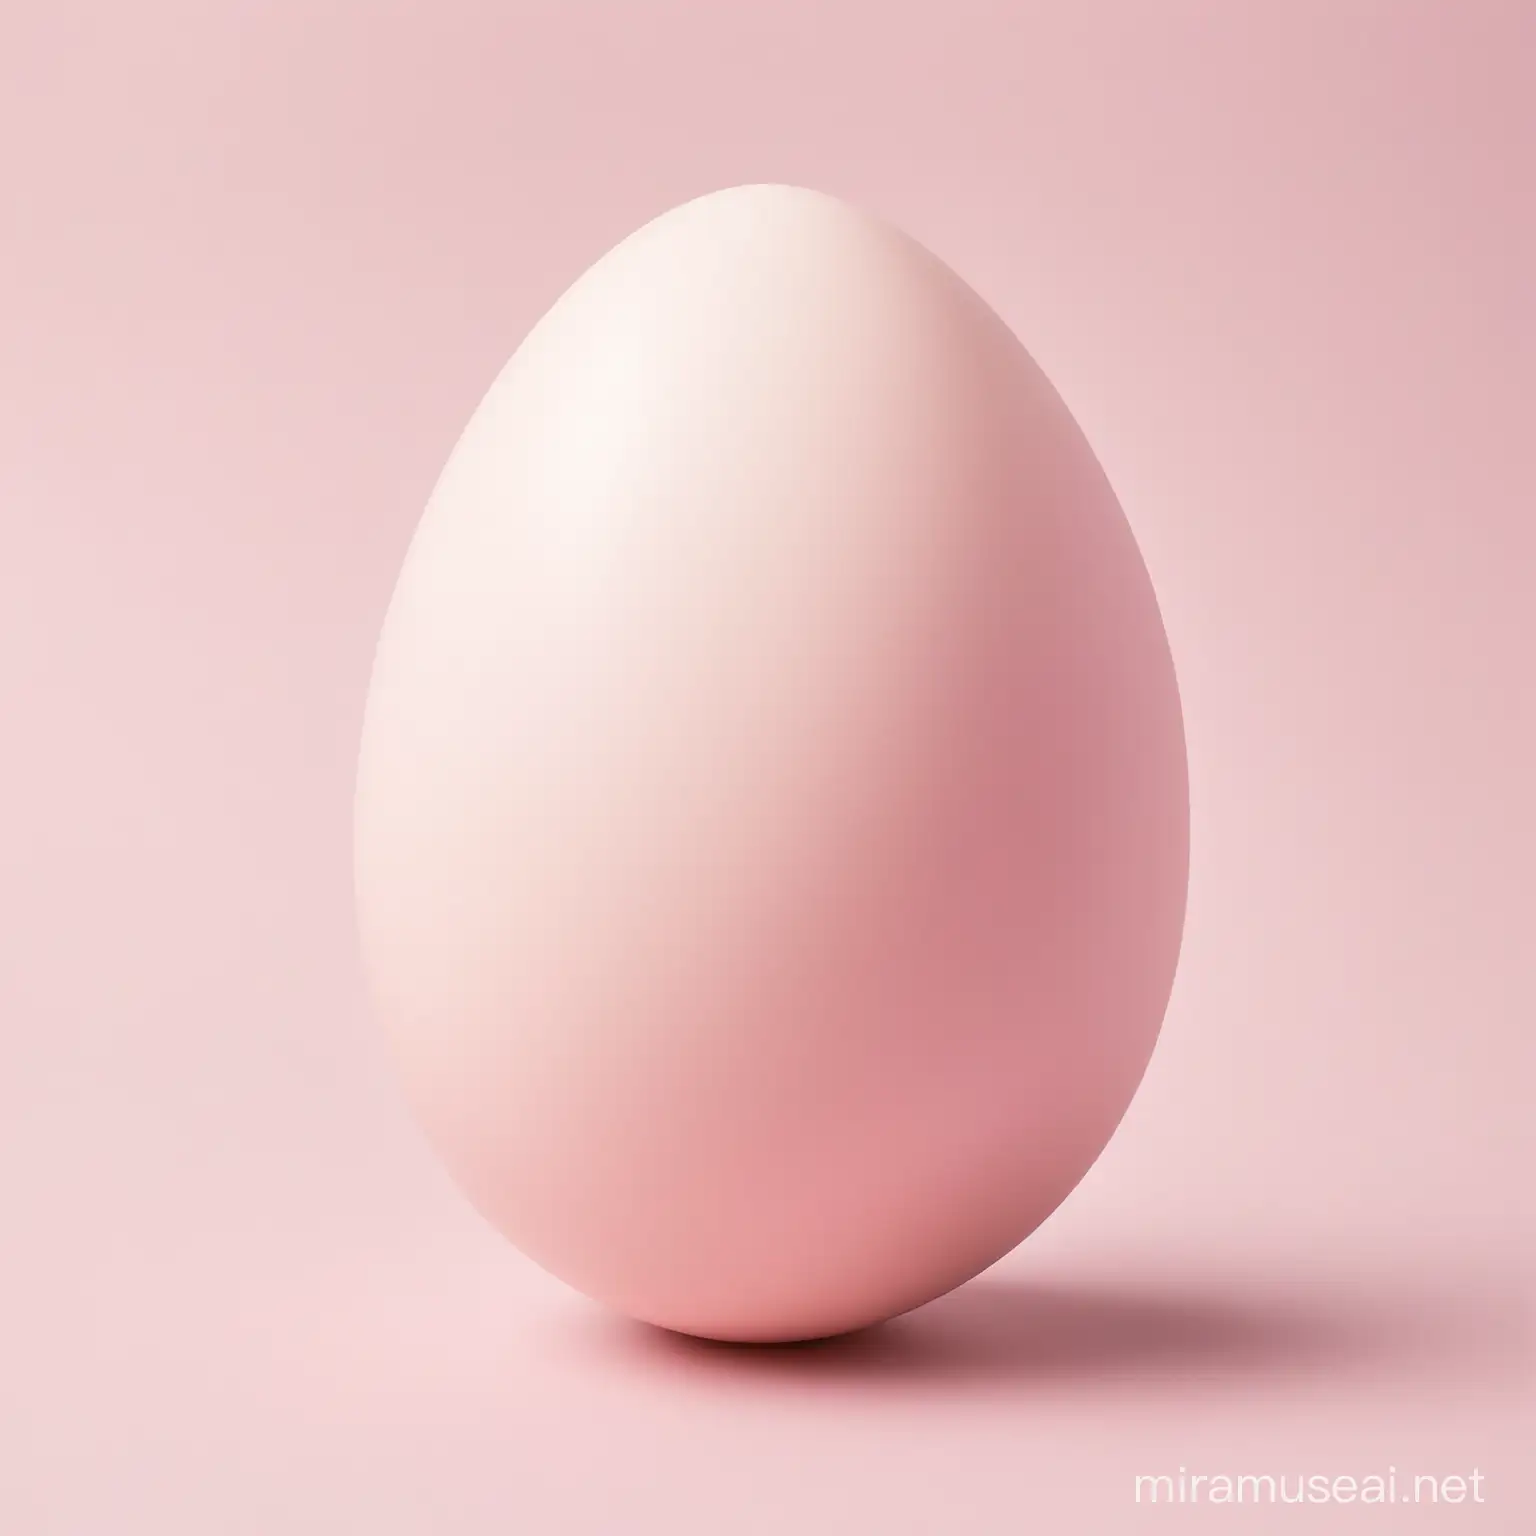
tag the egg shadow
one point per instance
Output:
(1007, 1333)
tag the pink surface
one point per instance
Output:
(258, 263)
(772, 812)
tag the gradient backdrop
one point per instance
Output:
(257, 263)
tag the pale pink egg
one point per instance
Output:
(772, 816)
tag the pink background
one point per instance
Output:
(258, 262)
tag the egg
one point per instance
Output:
(771, 821)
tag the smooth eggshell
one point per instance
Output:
(772, 817)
